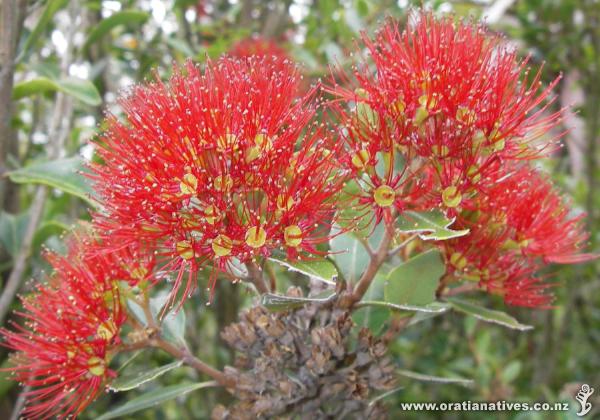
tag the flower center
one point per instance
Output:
(256, 236)
(222, 245)
(384, 196)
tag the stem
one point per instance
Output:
(189, 359)
(256, 277)
(374, 264)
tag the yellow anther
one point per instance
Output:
(223, 183)
(451, 196)
(284, 203)
(106, 330)
(292, 235)
(440, 150)
(263, 141)
(256, 236)
(96, 366)
(185, 250)
(189, 184)
(360, 159)
(421, 115)
(222, 245)
(465, 115)
(384, 196)
(211, 214)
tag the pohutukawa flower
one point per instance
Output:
(71, 329)
(517, 226)
(219, 165)
(446, 95)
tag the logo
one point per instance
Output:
(582, 398)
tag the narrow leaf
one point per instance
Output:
(62, 174)
(124, 17)
(431, 226)
(127, 382)
(414, 282)
(432, 308)
(283, 303)
(438, 379)
(487, 315)
(323, 270)
(52, 7)
(154, 398)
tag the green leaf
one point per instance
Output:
(487, 315)
(431, 226)
(173, 322)
(80, 89)
(431, 308)
(275, 302)
(62, 174)
(127, 382)
(124, 17)
(511, 371)
(154, 398)
(414, 282)
(437, 379)
(12, 231)
(52, 7)
(323, 270)
(349, 255)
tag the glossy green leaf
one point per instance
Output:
(127, 382)
(437, 379)
(52, 7)
(432, 308)
(414, 282)
(323, 269)
(125, 17)
(431, 226)
(154, 398)
(62, 174)
(275, 302)
(80, 89)
(487, 315)
(349, 255)
(172, 321)
(12, 231)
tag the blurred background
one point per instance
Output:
(64, 63)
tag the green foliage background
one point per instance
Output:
(71, 60)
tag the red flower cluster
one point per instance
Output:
(219, 165)
(443, 121)
(71, 328)
(521, 224)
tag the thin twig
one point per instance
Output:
(189, 359)
(374, 264)
(256, 277)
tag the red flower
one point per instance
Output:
(218, 166)
(517, 226)
(446, 96)
(71, 326)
